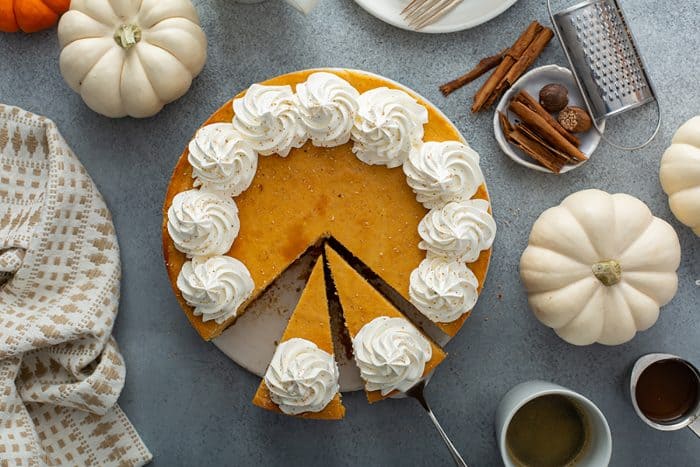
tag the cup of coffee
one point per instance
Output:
(541, 424)
(665, 391)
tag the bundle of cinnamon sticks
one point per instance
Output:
(509, 65)
(539, 135)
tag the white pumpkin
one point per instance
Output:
(680, 174)
(598, 267)
(130, 57)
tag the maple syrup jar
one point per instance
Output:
(665, 392)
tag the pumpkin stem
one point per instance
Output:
(608, 272)
(127, 35)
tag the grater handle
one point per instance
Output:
(586, 101)
(639, 146)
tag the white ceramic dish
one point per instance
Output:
(466, 15)
(252, 340)
(532, 82)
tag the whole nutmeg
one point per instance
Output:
(554, 97)
(575, 119)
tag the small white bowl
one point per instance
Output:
(532, 82)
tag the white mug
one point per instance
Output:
(599, 448)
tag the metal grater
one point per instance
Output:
(605, 61)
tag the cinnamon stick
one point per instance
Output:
(484, 65)
(512, 56)
(527, 58)
(559, 155)
(534, 105)
(548, 133)
(505, 123)
(530, 55)
(529, 145)
(535, 150)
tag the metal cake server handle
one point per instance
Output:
(416, 392)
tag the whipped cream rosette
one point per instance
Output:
(327, 105)
(459, 230)
(391, 354)
(439, 173)
(268, 118)
(388, 126)
(301, 377)
(202, 223)
(221, 160)
(443, 289)
(215, 287)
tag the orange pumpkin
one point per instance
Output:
(30, 15)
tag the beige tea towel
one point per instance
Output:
(60, 370)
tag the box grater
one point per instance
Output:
(605, 61)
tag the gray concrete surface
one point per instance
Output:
(191, 404)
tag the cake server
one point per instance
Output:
(417, 393)
(605, 60)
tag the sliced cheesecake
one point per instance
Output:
(294, 202)
(309, 325)
(365, 306)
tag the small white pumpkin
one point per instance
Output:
(131, 57)
(598, 267)
(680, 174)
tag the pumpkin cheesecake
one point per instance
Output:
(392, 353)
(302, 379)
(332, 153)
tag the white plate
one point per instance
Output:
(466, 15)
(532, 82)
(252, 340)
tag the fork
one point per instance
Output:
(420, 13)
(416, 392)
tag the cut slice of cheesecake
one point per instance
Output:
(362, 303)
(310, 321)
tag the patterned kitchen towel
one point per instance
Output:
(60, 370)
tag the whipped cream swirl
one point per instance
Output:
(391, 354)
(216, 286)
(268, 118)
(301, 377)
(221, 160)
(202, 223)
(388, 125)
(443, 290)
(327, 104)
(442, 172)
(459, 230)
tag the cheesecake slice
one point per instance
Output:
(367, 312)
(303, 372)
